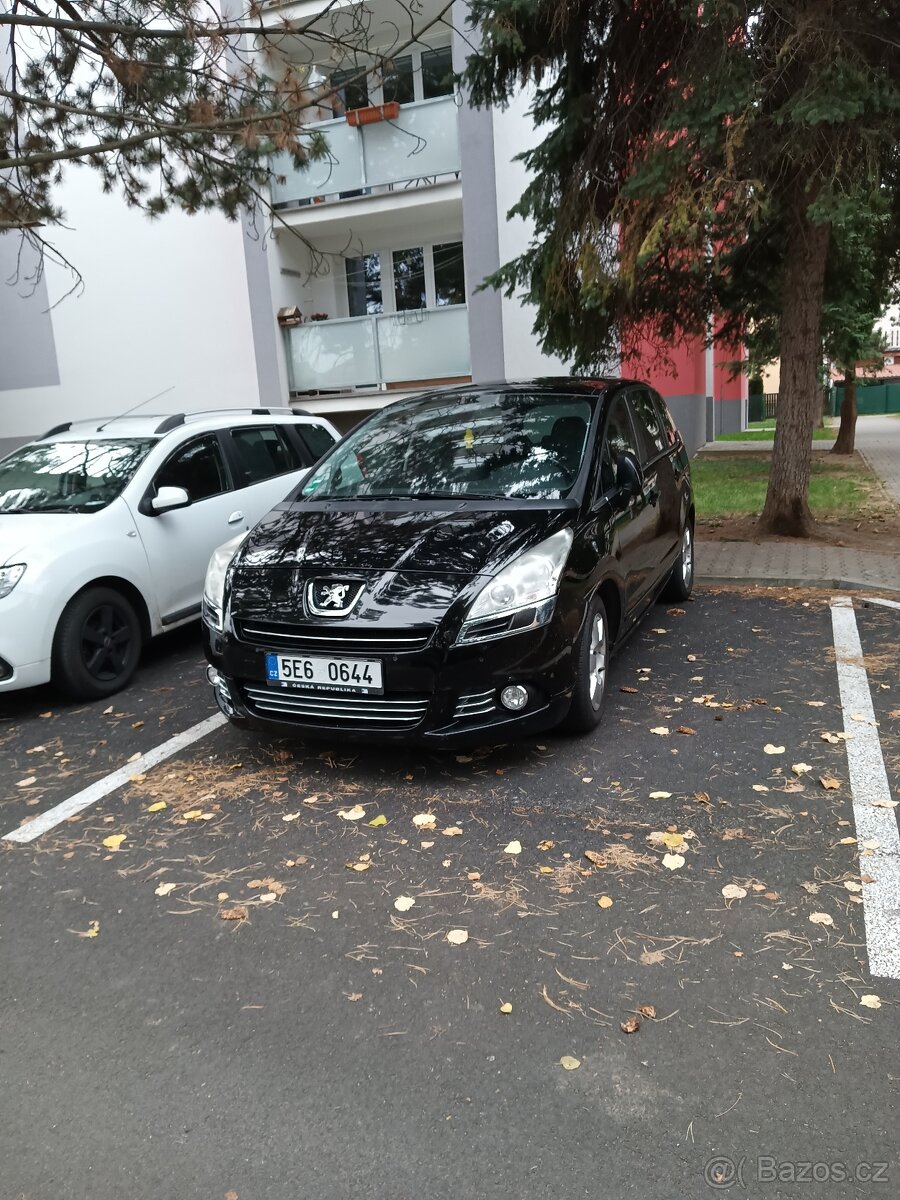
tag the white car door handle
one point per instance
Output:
(235, 517)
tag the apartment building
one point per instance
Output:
(362, 287)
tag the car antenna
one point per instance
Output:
(129, 411)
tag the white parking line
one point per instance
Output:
(870, 788)
(102, 787)
(881, 600)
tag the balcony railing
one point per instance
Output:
(421, 144)
(371, 352)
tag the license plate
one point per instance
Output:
(321, 671)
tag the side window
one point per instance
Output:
(619, 437)
(262, 452)
(198, 468)
(670, 429)
(316, 439)
(648, 423)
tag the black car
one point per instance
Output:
(460, 566)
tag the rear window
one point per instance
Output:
(262, 452)
(316, 439)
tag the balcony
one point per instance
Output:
(377, 352)
(419, 147)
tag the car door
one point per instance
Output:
(179, 542)
(266, 464)
(660, 485)
(632, 519)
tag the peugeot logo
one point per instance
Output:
(332, 597)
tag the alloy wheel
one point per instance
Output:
(687, 557)
(105, 642)
(597, 660)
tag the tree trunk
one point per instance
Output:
(846, 438)
(787, 509)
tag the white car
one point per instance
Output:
(106, 528)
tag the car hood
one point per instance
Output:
(24, 534)
(460, 539)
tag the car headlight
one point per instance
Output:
(216, 575)
(9, 577)
(527, 586)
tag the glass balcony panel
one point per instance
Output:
(341, 171)
(333, 354)
(424, 344)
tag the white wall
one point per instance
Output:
(514, 132)
(165, 304)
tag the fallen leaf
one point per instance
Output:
(106, 711)
(568, 1063)
(882, 802)
(137, 724)
(290, 816)
(193, 814)
(660, 795)
(545, 870)
(648, 1011)
(514, 847)
(831, 738)
(506, 1008)
(458, 937)
(114, 841)
(816, 703)
(424, 820)
(760, 787)
(595, 857)
(651, 958)
(629, 690)
(23, 783)
(660, 631)
(546, 845)
(357, 866)
(661, 730)
(852, 886)
(871, 844)
(268, 898)
(451, 831)
(686, 730)
(426, 845)
(378, 821)
(605, 902)
(702, 797)
(801, 768)
(829, 782)
(870, 1001)
(847, 841)
(353, 996)
(221, 896)
(821, 918)
(463, 758)
(356, 813)
(157, 807)
(768, 748)
(674, 841)
(632, 1025)
(731, 891)
(92, 931)
(238, 913)
(812, 888)
(473, 876)
(165, 888)
(673, 861)
(404, 903)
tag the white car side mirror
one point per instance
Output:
(168, 498)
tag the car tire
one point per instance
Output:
(681, 582)
(591, 672)
(97, 644)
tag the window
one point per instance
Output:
(352, 91)
(437, 73)
(263, 452)
(409, 279)
(398, 82)
(648, 424)
(364, 285)
(198, 468)
(619, 438)
(316, 439)
(669, 427)
(449, 275)
(68, 476)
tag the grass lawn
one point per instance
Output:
(736, 487)
(764, 431)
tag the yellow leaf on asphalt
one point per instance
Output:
(595, 857)
(605, 902)
(165, 888)
(852, 886)
(238, 913)
(660, 795)
(829, 782)
(114, 841)
(731, 891)
(847, 841)
(821, 918)
(92, 931)
(870, 1001)
(451, 831)
(290, 816)
(513, 847)
(357, 866)
(760, 787)
(378, 821)
(404, 903)
(882, 802)
(661, 730)
(674, 862)
(546, 870)
(506, 1008)
(568, 1063)
(801, 768)
(193, 814)
(816, 703)
(768, 748)
(674, 841)
(23, 783)
(458, 937)
(871, 844)
(546, 844)
(157, 807)
(424, 820)
(356, 813)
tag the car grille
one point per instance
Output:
(335, 708)
(341, 639)
(475, 704)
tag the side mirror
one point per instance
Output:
(628, 474)
(168, 498)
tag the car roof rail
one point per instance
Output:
(169, 423)
(66, 425)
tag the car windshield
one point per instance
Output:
(68, 476)
(475, 445)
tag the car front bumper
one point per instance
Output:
(434, 695)
(26, 638)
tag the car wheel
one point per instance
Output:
(97, 644)
(591, 672)
(681, 581)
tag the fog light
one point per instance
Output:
(212, 676)
(514, 697)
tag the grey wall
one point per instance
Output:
(27, 346)
(262, 316)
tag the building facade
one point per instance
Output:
(364, 286)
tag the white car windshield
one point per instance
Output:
(68, 476)
(481, 444)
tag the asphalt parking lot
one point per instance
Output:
(235, 997)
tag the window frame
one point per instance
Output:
(388, 293)
(145, 505)
(639, 427)
(237, 464)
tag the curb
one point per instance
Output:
(800, 581)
